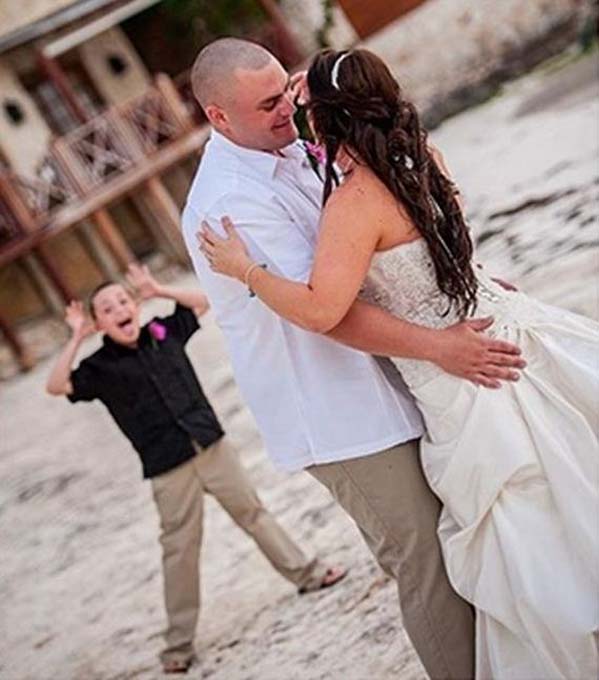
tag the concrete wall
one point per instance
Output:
(114, 87)
(446, 47)
(306, 17)
(16, 14)
(23, 144)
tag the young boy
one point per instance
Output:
(144, 378)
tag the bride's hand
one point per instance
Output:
(228, 255)
(298, 85)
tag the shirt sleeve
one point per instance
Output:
(181, 324)
(271, 237)
(85, 382)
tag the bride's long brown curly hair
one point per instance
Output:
(368, 115)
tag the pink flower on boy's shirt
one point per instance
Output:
(157, 330)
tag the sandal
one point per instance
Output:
(177, 665)
(331, 576)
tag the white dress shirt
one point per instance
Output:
(314, 400)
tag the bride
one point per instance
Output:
(516, 468)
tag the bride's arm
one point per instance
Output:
(345, 247)
(327, 304)
(343, 255)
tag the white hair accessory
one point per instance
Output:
(335, 70)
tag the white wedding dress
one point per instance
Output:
(517, 470)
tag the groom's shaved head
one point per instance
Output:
(244, 91)
(216, 64)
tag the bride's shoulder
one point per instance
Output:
(344, 203)
(362, 194)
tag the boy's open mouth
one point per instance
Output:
(126, 325)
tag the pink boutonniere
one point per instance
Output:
(317, 151)
(316, 154)
(157, 331)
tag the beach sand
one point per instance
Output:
(80, 571)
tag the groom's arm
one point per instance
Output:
(462, 349)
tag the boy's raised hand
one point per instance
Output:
(142, 281)
(78, 321)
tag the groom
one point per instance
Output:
(320, 405)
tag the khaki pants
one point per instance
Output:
(179, 495)
(387, 496)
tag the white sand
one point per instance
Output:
(80, 564)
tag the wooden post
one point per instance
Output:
(95, 245)
(168, 216)
(41, 255)
(106, 226)
(144, 205)
(29, 225)
(174, 101)
(54, 72)
(34, 270)
(22, 354)
(290, 46)
(113, 239)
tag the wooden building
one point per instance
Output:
(368, 16)
(96, 150)
(98, 144)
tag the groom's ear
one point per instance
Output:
(216, 116)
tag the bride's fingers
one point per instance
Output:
(297, 81)
(297, 78)
(209, 234)
(499, 345)
(500, 373)
(298, 87)
(202, 241)
(204, 238)
(206, 248)
(480, 324)
(228, 226)
(503, 359)
(503, 347)
(484, 381)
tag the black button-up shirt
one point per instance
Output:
(152, 392)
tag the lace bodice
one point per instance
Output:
(402, 281)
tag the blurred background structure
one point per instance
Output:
(100, 135)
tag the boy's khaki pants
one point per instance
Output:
(179, 496)
(387, 496)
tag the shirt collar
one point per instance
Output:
(120, 350)
(262, 160)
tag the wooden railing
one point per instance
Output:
(45, 193)
(10, 227)
(96, 163)
(122, 137)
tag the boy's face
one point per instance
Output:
(117, 314)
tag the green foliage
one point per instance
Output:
(587, 38)
(322, 35)
(302, 124)
(204, 20)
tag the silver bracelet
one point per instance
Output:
(248, 272)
